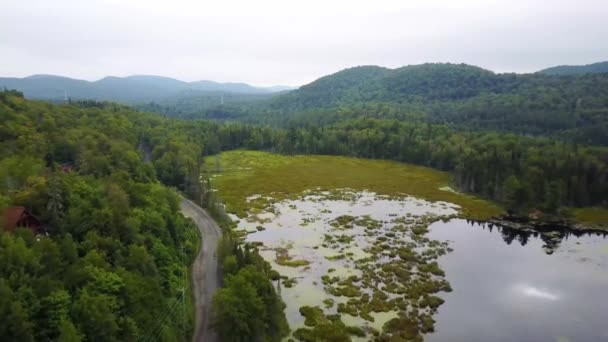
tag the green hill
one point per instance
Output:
(595, 68)
(456, 95)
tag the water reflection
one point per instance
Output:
(512, 285)
(551, 235)
(534, 292)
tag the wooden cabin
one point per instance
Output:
(19, 217)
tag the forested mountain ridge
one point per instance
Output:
(428, 82)
(571, 107)
(372, 83)
(600, 67)
(458, 95)
(130, 89)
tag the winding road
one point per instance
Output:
(204, 270)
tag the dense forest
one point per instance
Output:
(594, 68)
(565, 105)
(104, 182)
(109, 260)
(247, 308)
(525, 174)
(462, 97)
(215, 104)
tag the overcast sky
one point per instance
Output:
(292, 42)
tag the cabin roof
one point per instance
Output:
(19, 216)
(12, 216)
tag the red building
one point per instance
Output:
(19, 217)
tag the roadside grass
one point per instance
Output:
(240, 174)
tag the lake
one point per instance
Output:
(503, 284)
(507, 288)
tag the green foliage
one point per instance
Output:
(600, 67)
(95, 175)
(460, 96)
(324, 327)
(551, 173)
(68, 332)
(247, 308)
(238, 309)
(111, 262)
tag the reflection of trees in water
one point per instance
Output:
(551, 235)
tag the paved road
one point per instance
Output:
(204, 270)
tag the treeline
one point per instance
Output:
(523, 173)
(111, 262)
(462, 97)
(247, 307)
(205, 105)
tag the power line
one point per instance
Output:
(174, 305)
(157, 327)
(163, 315)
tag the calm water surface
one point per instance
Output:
(507, 288)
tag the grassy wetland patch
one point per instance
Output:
(239, 175)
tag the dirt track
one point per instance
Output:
(204, 270)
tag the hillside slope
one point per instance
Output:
(595, 68)
(457, 95)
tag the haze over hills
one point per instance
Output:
(130, 89)
(363, 83)
(456, 95)
(600, 67)
(429, 82)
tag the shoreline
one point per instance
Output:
(539, 225)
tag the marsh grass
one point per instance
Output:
(284, 259)
(594, 216)
(248, 173)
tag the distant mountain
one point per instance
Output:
(280, 88)
(417, 86)
(130, 89)
(456, 95)
(595, 68)
(374, 83)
